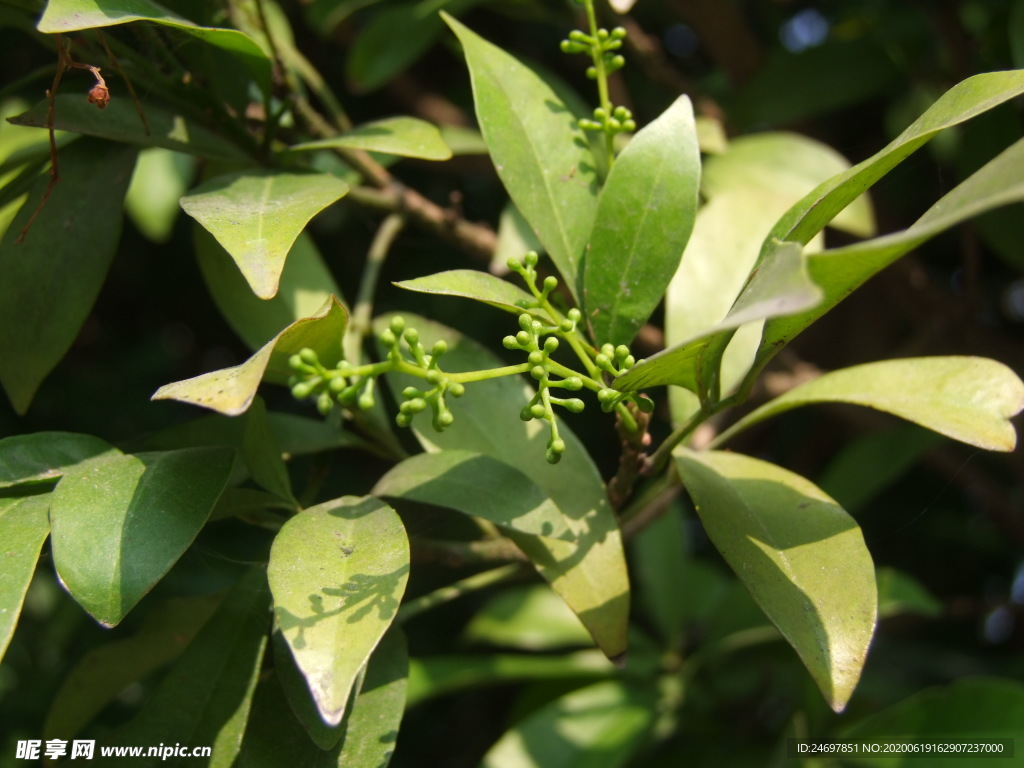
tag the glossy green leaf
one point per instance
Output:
(801, 557)
(262, 453)
(75, 15)
(205, 698)
(300, 699)
(970, 399)
(257, 215)
(478, 485)
(338, 572)
(644, 217)
(473, 284)
(779, 286)
(161, 178)
(590, 573)
(105, 672)
(594, 727)
(402, 136)
(541, 155)
(120, 122)
(51, 280)
(842, 270)
(394, 39)
(43, 457)
(899, 593)
(120, 523)
(531, 617)
(786, 166)
(230, 391)
(972, 710)
(432, 676)
(306, 284)
(25, 526)
(274, 736)
(962, 102)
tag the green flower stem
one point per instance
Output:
(362, 315)
(602, 84)
(468, 585)
(493, 373)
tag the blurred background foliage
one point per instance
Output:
(849, 74)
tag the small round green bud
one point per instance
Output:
(616, 62)
(574, 405)
(531, 259)
(309, 356)
(416, 405)
(410, 392)
(403, 419)
(439, 348)
(296, 364)
(574, 383)
(606, 395)
(550, 283)
(412, 336)
(629, 362)
(599, 113)
(443, 420)
(509, 342)
(525, 414)
(523, 339)
(324, 404)
(608, 350)
(536, 357)
(525, 322)
(602, 34)
(457, 389)
(537, 411)
(514, 264)
(621, 352)
(303, 389)
(366, 401)
(348, 395)
(575, 315)
(567, 46)
(578, 36)
(336, 385)
(397, 325)
(537, 326)
(538, 372)
(629, 126)
(387, 338)
(434, 376)
(602, 361)
(565, 326)
(550, 344)
(619, 33)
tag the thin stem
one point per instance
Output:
(362, 315)
(602, 85)
(468, 585)
(659, 458)
(491, 373)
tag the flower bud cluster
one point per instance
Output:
(601, 47)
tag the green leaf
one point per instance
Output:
(515, 238)
(779, 286)
(25, 526)
(530, 617)
(842, 270)
(205, 698)
(899, 594)
(120, 122)
(230, 391)
(659, 558)
(432, 676)
(594, 727)
(962, 102)
(306, 284)
(786, 166)
(43, 457)
(477, 485)
(105, 672)
(75, 15)
(262, 454)
(275, 738)
(473, 284)
(394, 39)
(338, 572)
(120, 523)
(51, 280)
(972, 710)
(589, 573)
(257, 215)
(402, 136)
(970, 399)
(644, 217)
(801, 557)
(161, 177)
(541, 155)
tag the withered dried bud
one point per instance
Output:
(99, 95)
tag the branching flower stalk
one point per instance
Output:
(601, 45)
(541, 330)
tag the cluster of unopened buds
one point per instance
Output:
(601, 47)
(542, 329)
